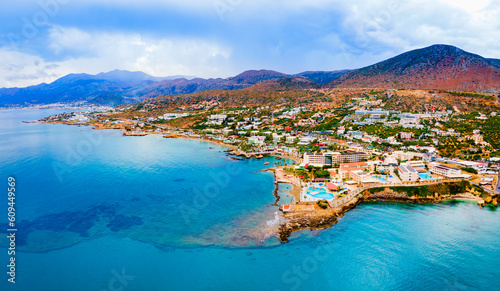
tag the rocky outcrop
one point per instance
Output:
(389, 195)
(319, 219)
(306, 219)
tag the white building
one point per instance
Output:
(259, 140)
(442, 170)
(407, 173)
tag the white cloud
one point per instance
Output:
(285, 35)
(109, 51)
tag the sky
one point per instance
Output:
(43, 40)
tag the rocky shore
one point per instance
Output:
(310, 216)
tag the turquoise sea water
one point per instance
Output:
(98, 211)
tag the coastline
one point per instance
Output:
(305, 215)
(232, 147)
(310, 216)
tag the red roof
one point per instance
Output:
(331, 186)
(286, 207)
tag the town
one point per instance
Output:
(339, 149)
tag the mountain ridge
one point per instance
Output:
(442, 67)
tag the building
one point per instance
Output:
(356, 134)
(79, 118)
(258, 140)
(377, 112)
(406, 135)
(216, 119)
(305, 140)
(416, 164)
(349, 157)
(317, 159)
(406, 156)
(332, 159)
(345, 170)
(407, 173)
(290, 139)
(478, 138)
(428, 157)
(408, 119)
(442, 170)
(359, 175)
(168, 116)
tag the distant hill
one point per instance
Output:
(441, 67)
(122, 86)
(436, 67)
(322, 77)
(184, 86)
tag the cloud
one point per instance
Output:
(220, 38)
(109, 51)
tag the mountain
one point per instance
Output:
(441, 67)
(124, 87)
(322, 77)
(184, 86)
(121, 85)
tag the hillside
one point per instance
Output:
(269, 92)
(115, 87)
(441, 67)
(438, 67)
(123, 87)
(183, 86)
(322, 77)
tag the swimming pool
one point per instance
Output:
(383, 179)
(425, 176)
(323, 195)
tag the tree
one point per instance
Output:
(322, 203)
(469, 170)
(322, 174)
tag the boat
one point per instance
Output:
(266, 163)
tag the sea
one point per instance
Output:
(96, 210)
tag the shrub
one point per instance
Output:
(322, 203)
(469, 170)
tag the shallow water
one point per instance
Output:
(176, 215)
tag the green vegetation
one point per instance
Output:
(465, 124)
(322, 203)
(467, 94)
(384, 132)
(328, 124)
(429, 190)
(322, 174)
(469, 170)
